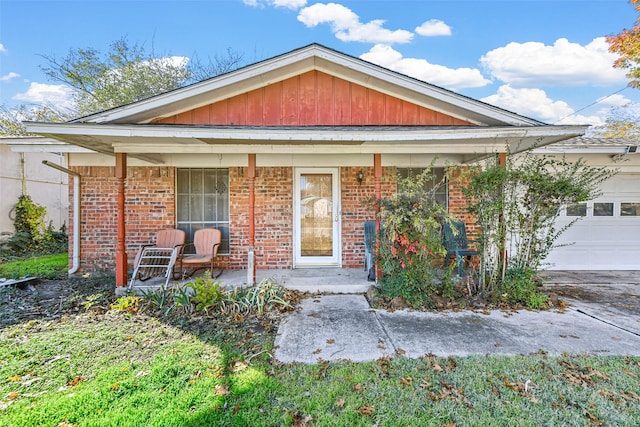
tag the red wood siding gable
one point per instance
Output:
(313, 99)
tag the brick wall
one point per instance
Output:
(150, 206)
(457, 201)
(355, 212)
(273, 217)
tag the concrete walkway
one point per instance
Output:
(335, 327)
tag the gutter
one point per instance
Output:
(75, 266)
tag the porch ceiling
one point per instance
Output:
(146, 142)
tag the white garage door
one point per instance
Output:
(607, 237)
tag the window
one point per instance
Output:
(439, 182)
(602, 209)
(630, 209)
(579, 209)
(203, 202)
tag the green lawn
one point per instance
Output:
(45, 267)
(100, 367)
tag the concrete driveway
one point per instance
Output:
(602, 318)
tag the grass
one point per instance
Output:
(105, 367)
(46, 267)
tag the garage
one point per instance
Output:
(607, 233)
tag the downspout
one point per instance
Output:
(75, 265)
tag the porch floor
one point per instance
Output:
(323, 280)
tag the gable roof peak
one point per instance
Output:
(318, 57)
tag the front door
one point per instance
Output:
(317, 217)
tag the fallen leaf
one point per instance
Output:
(331, 341)
(222, 389)
(298, 419)
(316, 351)
(406, 381)
(75, 381)
(367, 409)
(13, 395)
(14, 378)
(340, 403)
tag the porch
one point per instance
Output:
(323, 280)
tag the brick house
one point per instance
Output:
(279, 155)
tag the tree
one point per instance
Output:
(127, 73)
(124, 74)
(627, 45)
(622, 122)
(11, 120)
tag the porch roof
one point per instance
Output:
(143, 141)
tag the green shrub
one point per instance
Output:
(208, 292)
(31, 236)
(128, 303)
(266, 295)
(520, 286)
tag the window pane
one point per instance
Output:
(183, 181)
(196, 208)
(577, 210)
(183, 208)
(603, 209)
(223, 207)
(209, 208)
(210, 181)
(630, 209)
(196, 181)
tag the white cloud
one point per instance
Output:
(433, 27)
(450, 78)
(563, 64)
(289, 4)
(615, 100)
(347, 26)
(2, 48)
(58, 96)
(9, 77)
(536, 104)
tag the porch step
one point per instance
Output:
(322, 280)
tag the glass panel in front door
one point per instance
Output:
(316, 214)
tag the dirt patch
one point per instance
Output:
(50, 299)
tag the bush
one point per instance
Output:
(520, 287)
(208, 292)
(31, 236)
(516, 206)
(411, 240)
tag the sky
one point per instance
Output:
(544, 59)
